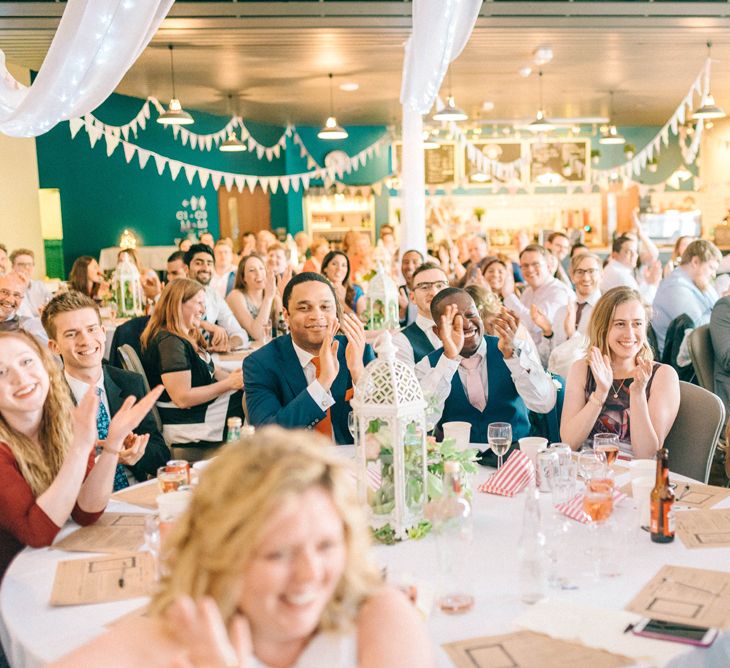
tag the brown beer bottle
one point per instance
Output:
(662, 502)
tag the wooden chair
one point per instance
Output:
(692, 440)
(702, 355)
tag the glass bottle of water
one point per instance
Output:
(454, 535)
(531, 550)
(234, 429)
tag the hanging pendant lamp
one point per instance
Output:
(331, 129)
(450, 112)
(611, 135)
(708, 108)
(540, 124)
(232, 144)
(175, 114)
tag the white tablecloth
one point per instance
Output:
(33, 633)
(150, 257)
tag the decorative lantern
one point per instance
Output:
(390, 438)
(381, 301)
(128, 289)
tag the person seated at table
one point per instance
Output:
(269, 566)
(37, 293)
(407, 310)
(543, 291)
(558, 247)
(255, 301)
(225, 268)
(87, 278)
(688, 289)
(336, 268)
(207, 239)
(47, 468)
(496, 274)
(621, 269)
(219, 324)
(481, 379)
(305, 378)
(417, 340)
(176, 267)
(617, 388)
(4, 260)
(12, 289)
(73, 324)
(148, 278)
(319, 248)
(197, 397)
(248, 244)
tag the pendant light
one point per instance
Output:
(611, 134)
(331, 130)
(232, 144)
(540, 124)
(450, 112)
(708, 109)
(175, 114)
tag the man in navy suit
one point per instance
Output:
(305, 379)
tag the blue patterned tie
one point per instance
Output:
(102, 430)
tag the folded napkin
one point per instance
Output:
(574, 508)
(512, 478)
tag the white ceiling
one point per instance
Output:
(275, 57)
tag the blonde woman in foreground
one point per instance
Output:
(269, 568)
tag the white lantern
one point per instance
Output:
(128, 289)
(390, 428)
(381, 307)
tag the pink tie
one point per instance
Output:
(474, 384)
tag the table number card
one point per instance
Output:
(704, 528)
(112, 532)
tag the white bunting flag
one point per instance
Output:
(143, 156)
(129, 150)
(190, 171)
(239, 181)
(215, 179)
(160, 161)
(203, 175)
(228, 181)
(251, 182)
(75, 124)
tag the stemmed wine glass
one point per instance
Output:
(499, 437)
(608, 445)
(592, 464)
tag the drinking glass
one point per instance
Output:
(608, 445)
(352, 425)
(268, 325)
(170, 480)
(592, 464)
(499, 437)
(152, 540)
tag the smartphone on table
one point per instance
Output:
(701, 636)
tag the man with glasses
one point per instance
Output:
(543, 295)
(37, 295)
(419, 339)
(12, 291)
(411, 260)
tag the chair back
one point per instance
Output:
(131, 362)
(128, 332)
(702, 355)
(692, 440)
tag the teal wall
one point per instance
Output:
(101, 196)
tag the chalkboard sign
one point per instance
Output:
(504, 152)
(439, 163)
(569, 159)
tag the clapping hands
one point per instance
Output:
(600, 366)
(451, 331)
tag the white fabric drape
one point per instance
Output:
(97, 41)
(441, 29)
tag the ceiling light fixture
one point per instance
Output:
(175, 114)
(232, 144)
(331, 130)
(349, 86)
(708, 109)
(540, 124)
(611, 134)
(542, 55)
(450, 112)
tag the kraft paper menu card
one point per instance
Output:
(144, 495)
(103, 579)
(696, 495)
(112, 532)
(525, 649)
(703, 528)
(686, 596)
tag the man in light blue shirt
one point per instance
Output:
(688, 289)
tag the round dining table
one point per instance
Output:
(33, 632)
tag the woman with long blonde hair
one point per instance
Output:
(198, 398)
(618, 388)
(269, 566)
(47, 468)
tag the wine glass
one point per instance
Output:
(592, 464)
(499, 437)
(608, 445)
(267, 326)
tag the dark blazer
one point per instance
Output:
(120, 384)
(276, 389)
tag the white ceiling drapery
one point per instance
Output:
(441, 29)
(97, 41)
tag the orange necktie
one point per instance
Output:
(324, 426)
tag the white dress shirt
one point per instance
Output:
(37, 295)
(403, 348)
(323, 398)
(219, 282)
(616, 274)
(218, 312)
(79, 389)
(549, 297)
(533, 384)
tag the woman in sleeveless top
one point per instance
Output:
(254, 298)
(617, 388)
(274, 550)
